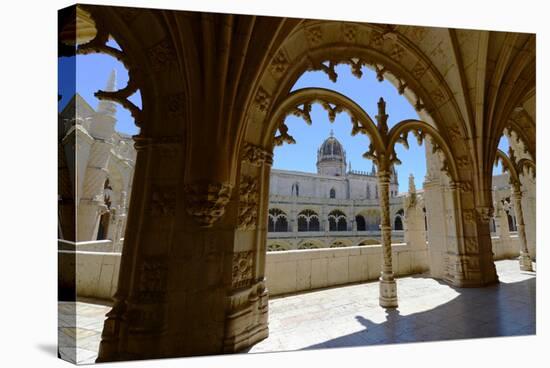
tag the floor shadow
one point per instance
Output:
(50, 349)
(504, 309)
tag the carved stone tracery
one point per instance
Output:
(248, 203)
(242, 269)
(206, 202)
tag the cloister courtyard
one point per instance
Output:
(349, 316)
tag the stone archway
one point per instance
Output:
(203, 211)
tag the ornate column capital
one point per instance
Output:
(256, 155)
(206, 201)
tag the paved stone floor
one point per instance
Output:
(350, 316)
(79, 330)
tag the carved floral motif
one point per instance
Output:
(256, 155)
(163, 201)
(242, 269)
(314, 35)
(262, 100)
(248, 203)
(152, 281)
(279, 64)
(161, 55)
(206, 202)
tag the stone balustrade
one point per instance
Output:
(96, 265)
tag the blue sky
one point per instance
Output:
(364, 91)
(90, 73)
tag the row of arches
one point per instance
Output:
(283, 245)
(309, 220)
(370, 193)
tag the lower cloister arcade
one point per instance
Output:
(192, 278)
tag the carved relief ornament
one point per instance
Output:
(248, 203)
(256, 155)
(206, 202)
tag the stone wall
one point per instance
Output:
(286, 271)
(95, 273)
(301, 270)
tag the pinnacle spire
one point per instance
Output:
(412, 187)
(108, 107)
(111, 82)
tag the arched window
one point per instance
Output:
(425, 219)
(337, 221)
(368, 191)
(295, 190)
(103, 227)
(281, 225)
(511, 222)
(332, 193)
(277, 221)
(492, 225)
(308, 220)
(398, 223)
(361, 224)
(104, 219)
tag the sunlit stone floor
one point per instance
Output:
(350, 316)
(428, 311)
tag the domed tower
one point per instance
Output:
(331, 157)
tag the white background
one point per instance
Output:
(28, 179)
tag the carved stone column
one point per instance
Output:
(246, 314)
(525, 263)
(388, 286)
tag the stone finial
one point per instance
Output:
(412, 187)
(105, 106)
(382, 117)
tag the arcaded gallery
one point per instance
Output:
(243, 184)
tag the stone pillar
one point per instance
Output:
(246, 316)
(524, 259)
(91, 204)
(528, 201)
(388, 286)
(437, 229)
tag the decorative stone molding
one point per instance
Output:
(242, 269)
(437, 96)
(175, 103)
(349, 32)
(397, 52)
(152, 282)
(314, 35)
(418, 70)
(377, 40)
(167, 146)
(256, 155)
(471, 245)
(464, 186)
(283, 137)
(469, 216)
(206, 202)
(161, 55)
(463, 162)
(248, 203)
(128, 14)
(163, 201)
(279, 64)
(417, 33)
(454, 132)
(262, 100)
(484, 214)
(98, 45)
